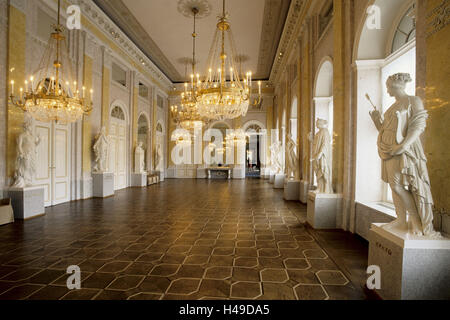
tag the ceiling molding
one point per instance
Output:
(294, 21)
(275, 13)
(103, 23)
(119, 13)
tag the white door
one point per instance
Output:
(118, 149)
(53, 162)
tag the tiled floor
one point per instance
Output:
(182, 239)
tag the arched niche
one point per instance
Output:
(323, 93)
(377, 54)
(257, 144)
(144, 135)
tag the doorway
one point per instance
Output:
(53, 162)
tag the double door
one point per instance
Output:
(53, 162)
(118, 153)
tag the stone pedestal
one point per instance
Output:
(322, 210)
(238, 173)
(278, 182)
(271, 178)
(6, 212)
(265, 173)
(201, 173)
(27, 202)
(103, 184)
(412, 267)
(304, 189)
(291, 190)
(139, 179)
(161, 175)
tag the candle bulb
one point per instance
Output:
(210, 75)
(92, 95)
(259, 85)
(26, 85)
(84, 92)
(21, 93)
(231, 75)
(32, 83)
(12, 87)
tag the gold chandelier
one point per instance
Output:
(187, 116)
(52, 94)
(223, 95)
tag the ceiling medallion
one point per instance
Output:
(203, 6)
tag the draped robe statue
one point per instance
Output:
(101, 147)
(293, 161)
(139, 159)
(404, 165)
(321, 158)
(275, 154)
(26, 155)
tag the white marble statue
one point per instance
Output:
(26, 155)
(275, 154)
(404, 165)
(321, 157)
(139, 159)
(158, 158)
(293, 161)
(101, 147)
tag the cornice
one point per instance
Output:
(122, 16)
(103, 23)
(294, 21)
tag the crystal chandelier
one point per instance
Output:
(223, 95)
(52, 94)
(187, 116)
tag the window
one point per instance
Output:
(143, 90)
(406, 29)
(119, 75)
(118, 113)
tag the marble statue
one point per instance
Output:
(275, 154)
(158, 157)
(404, 164)
(101, 147)
(139, 159)
(293, 162)
(26, 155)
(321, 157)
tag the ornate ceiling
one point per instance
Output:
(162, 30)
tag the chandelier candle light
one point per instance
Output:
(223, 95)
(53, 95)
(187, 116)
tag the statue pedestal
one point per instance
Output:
(278, 182)
(412, 267)
(291, 190)
(271, 177)
(304, 189)
(238, 173)
(201, 173)
(6, 212)
(139, 179)
(27, 202)
(103, 184)
(322, 210)
(265, 173)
